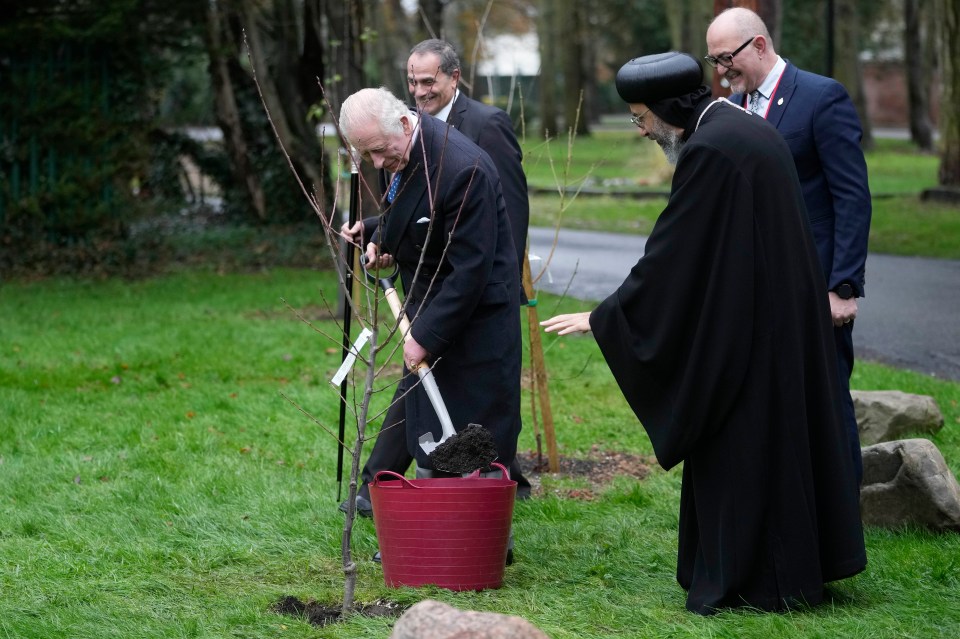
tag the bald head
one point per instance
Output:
(741, 33)
(741, 22)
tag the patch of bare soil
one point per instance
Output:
(319, 614)
(599, 468)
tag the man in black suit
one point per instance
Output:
(445, 226)
(433, 75)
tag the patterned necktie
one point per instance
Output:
(755, 102)
(394, 186)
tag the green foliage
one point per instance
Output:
(156, 484)
(77, 104)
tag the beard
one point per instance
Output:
(668, 139)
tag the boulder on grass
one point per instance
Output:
(884, 416)
(908, 482)
(431, 619)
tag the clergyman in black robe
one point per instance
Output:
(721, 341)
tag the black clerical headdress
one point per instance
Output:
(668, 83)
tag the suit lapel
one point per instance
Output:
(780, 100)
(457, 112)
(413, 188)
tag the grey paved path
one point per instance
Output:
(910, 317)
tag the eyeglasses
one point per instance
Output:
(726, 59)
(638, 119)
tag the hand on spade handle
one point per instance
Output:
(422, 368)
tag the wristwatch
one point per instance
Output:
(844, 291)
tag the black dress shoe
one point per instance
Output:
(376, 557)
(364, 507)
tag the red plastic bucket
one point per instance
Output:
(451, 533)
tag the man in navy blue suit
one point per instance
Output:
(816, 117)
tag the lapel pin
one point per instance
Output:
(780, 102)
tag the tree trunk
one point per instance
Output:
(431, 19)
(847, 63)
(393, 44)
(948, 17)
(276, 65)
(918, 75)
(227, 111)
(548, 39)
(688, 21)
(571, 35)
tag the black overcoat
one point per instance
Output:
(492, 130)
(464, 300)
(721, 341)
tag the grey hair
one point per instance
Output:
(747, 23)
(377, 104)
(449, 61)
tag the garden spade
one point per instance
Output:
(455, 453)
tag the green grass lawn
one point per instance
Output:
(154, 482)
(622, 161)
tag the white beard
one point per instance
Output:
(669, 140)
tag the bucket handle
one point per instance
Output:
(407, 484)
(506, 473)
(390, 473)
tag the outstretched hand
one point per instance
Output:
(567, 323)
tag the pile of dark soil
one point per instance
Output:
(599, 468)
(319, 614)
(471, 449)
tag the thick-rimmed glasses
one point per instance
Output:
(638, 119)
(726, 59)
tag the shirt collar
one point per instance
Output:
(444, 113)
(769, 83)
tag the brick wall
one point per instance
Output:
(885, 85)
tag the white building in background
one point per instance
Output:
(509, 55)
(505, 60)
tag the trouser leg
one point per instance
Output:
(843, 337)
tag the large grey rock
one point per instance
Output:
(908, 482)
(884, 416)
(431, 619)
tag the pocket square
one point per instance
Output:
(423, 220)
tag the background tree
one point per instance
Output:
(572, 34)
(547, 28)
(948, 17)
(916, 58)
(688, 21)
(847, 69)
(283, 40)
(388, 39)
(79, 99)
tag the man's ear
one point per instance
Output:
(760, 44)
(405, 123)
(456, 76)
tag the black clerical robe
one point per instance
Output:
(721, 341)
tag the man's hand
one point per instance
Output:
(353, 233)
(566, 324)
(842, 311)
(413, 353)
(377, 259)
